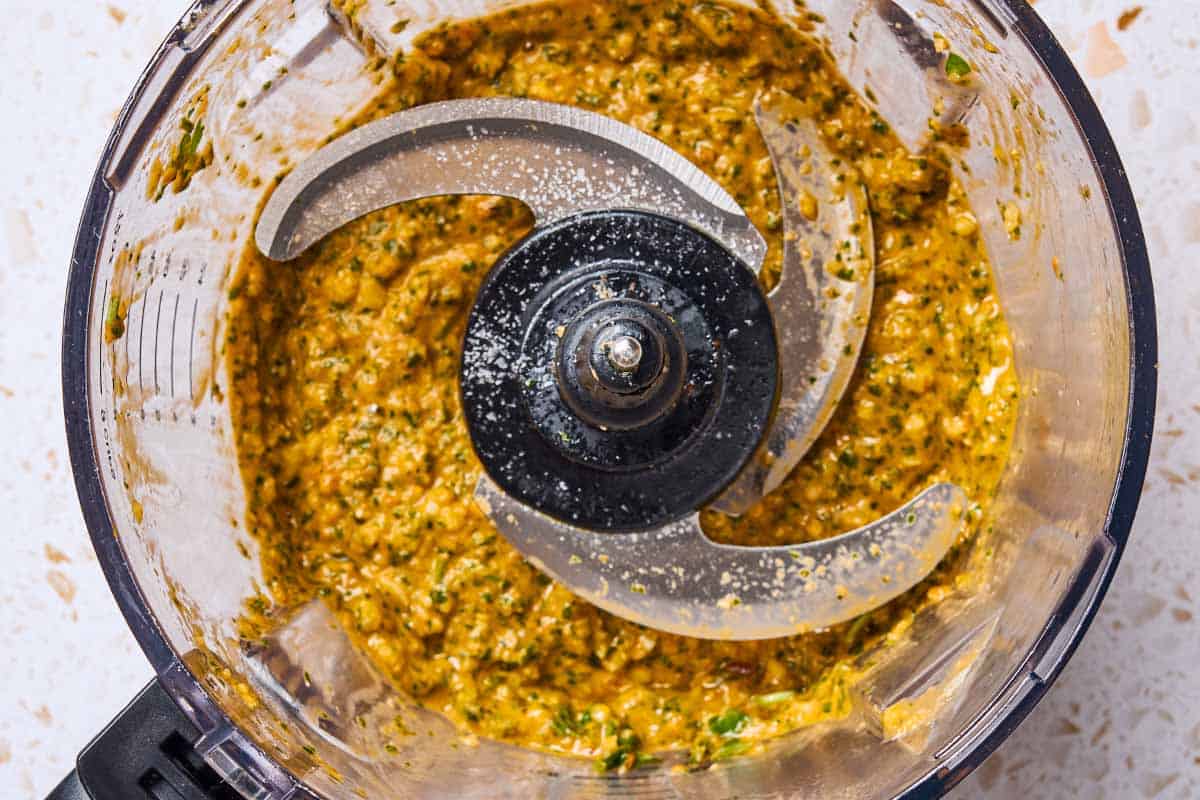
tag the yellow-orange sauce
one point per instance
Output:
(358, 465)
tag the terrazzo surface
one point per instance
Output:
(1123, 721)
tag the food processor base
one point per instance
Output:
(147, 751)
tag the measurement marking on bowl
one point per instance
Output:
(174, 319)
(126, 337)
(157, 322)
(100, 349)
(192, 349)
(134, 316)
(106, 435)
(141, 358)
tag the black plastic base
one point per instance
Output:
(144, 754)
(69, 789)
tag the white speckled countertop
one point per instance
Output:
(1122, 722)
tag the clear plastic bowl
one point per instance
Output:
(153, 454)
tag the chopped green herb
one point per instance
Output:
(774, 698)
(113, 321)
(728, 723)
(731, 748)
(957, 66)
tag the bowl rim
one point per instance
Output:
(1073, 616)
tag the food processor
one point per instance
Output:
(609, 325)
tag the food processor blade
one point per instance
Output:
(822, 301)
(568, 476)
(676, 579)
(559, 160)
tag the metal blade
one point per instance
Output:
(822, 302)
(676, 579)
(557, 159)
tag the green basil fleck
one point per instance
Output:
(957, 66)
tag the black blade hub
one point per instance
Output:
(618, 369)
(621, 363)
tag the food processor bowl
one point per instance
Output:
(302, 713)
